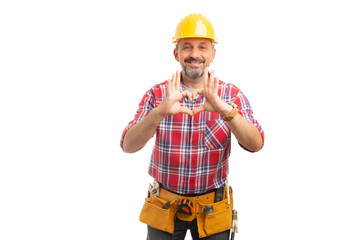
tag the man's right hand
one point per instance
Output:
(140, 133)
(171, 105)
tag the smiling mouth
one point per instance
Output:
(194, 63)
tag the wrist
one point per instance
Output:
(230, 115)
(225, 109)
(159, 113)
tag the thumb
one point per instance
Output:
(198, 109)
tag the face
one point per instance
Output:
(194, 55)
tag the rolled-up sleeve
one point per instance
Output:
(246, 111)
(145, 106)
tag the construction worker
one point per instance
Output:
(192, 114)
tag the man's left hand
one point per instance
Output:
(213, 102)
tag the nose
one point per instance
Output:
(195, 53)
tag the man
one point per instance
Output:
(192, 115)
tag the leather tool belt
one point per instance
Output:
(161, 208)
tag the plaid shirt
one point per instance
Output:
(191, 153)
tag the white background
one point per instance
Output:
(73, 72)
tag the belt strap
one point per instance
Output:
(219, 191)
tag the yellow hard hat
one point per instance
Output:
(194, 26)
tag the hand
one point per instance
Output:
(171, 105)
(213, 102)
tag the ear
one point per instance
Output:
(176, 54)
(213, 54)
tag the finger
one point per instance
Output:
(177, 83)
(186, 110)
(173, 81)
(206, 72)
(168, 88)
(187, 94)
(211, 81)
(216, 81)
(194, 94)
(198, 109)
(197, 92)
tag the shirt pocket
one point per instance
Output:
(216, 134)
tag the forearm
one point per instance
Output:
(139, 134)
(246, 133)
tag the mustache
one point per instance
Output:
(191, 59)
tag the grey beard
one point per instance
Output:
(193, 73)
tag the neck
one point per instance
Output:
(194, 83)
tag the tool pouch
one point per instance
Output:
(155, 214)
(217, 220)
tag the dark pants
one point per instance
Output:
(181, 228)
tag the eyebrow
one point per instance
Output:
(187, 43)
(200, 43)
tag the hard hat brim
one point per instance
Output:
(178, 39)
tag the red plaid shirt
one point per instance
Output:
(191, 154)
